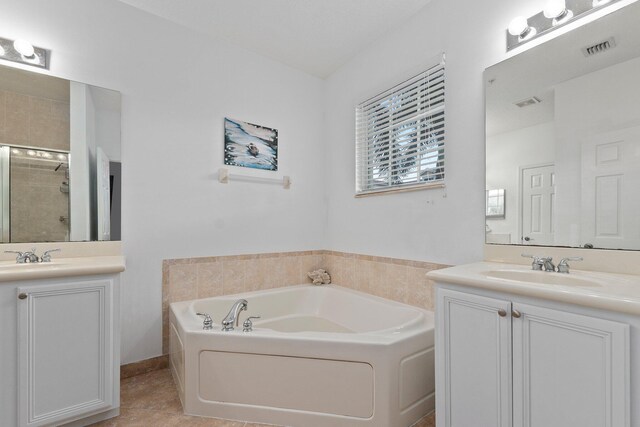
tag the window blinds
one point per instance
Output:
(400, 135)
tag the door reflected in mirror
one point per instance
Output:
(59, 159)
(563, 138)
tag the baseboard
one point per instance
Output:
(143, 366)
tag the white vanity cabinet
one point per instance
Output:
(60, 351)
(504, 361)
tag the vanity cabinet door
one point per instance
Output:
(569, 370)
(473, 360)
(65, 351)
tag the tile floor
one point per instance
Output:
(151, 400)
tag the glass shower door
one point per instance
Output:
(38, 202)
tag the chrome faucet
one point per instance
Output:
(24, 257)
(537, 263)
(541, 263)
(232, 318)
(563, 267)
(547, 264)
(30, 256)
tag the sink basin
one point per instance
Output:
(542, 277)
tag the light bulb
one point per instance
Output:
(61, 157)
(597, 3)
(31, 153)
(518, 26)
(557, 10)
(2, 52)
(24, 48)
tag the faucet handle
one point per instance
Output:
(46, 256)
(20, 258)
(247, 325)
(537, 262)
(563, 266)
(207, 323)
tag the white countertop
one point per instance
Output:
(607, 291)
(61, 267)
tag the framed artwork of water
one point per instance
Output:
(250, 146)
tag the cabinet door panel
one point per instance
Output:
(474, 361)
(569, 370)
(65, 351)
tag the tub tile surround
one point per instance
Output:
(193, 278)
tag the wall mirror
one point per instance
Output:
(59, 159)
(563, 138)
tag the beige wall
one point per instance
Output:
(192, 278)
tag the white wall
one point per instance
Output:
(421, 225)
(177, 86)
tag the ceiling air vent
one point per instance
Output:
(529, 101)
(607, 44)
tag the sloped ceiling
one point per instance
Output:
(315, 36)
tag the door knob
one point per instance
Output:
(22, 296)
(502, 312)
(516, 314)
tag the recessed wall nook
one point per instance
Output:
(243, 213)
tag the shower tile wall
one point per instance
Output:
(33, 121)
(37, 204)
(191, 278)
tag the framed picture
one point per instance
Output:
(250, 146)
(495, 203)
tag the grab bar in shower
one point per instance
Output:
(224, 176)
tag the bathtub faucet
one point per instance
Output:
(232, 318)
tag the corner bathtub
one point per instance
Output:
(318, 356)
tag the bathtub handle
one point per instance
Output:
(247, 326)
(207, 323)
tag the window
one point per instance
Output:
(400, 136)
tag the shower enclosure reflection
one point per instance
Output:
(40, 179)
(59, 159)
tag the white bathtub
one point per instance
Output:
(319, 356)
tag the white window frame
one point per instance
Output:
(400, 135)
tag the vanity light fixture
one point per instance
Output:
(24, 52)
(556, 14)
